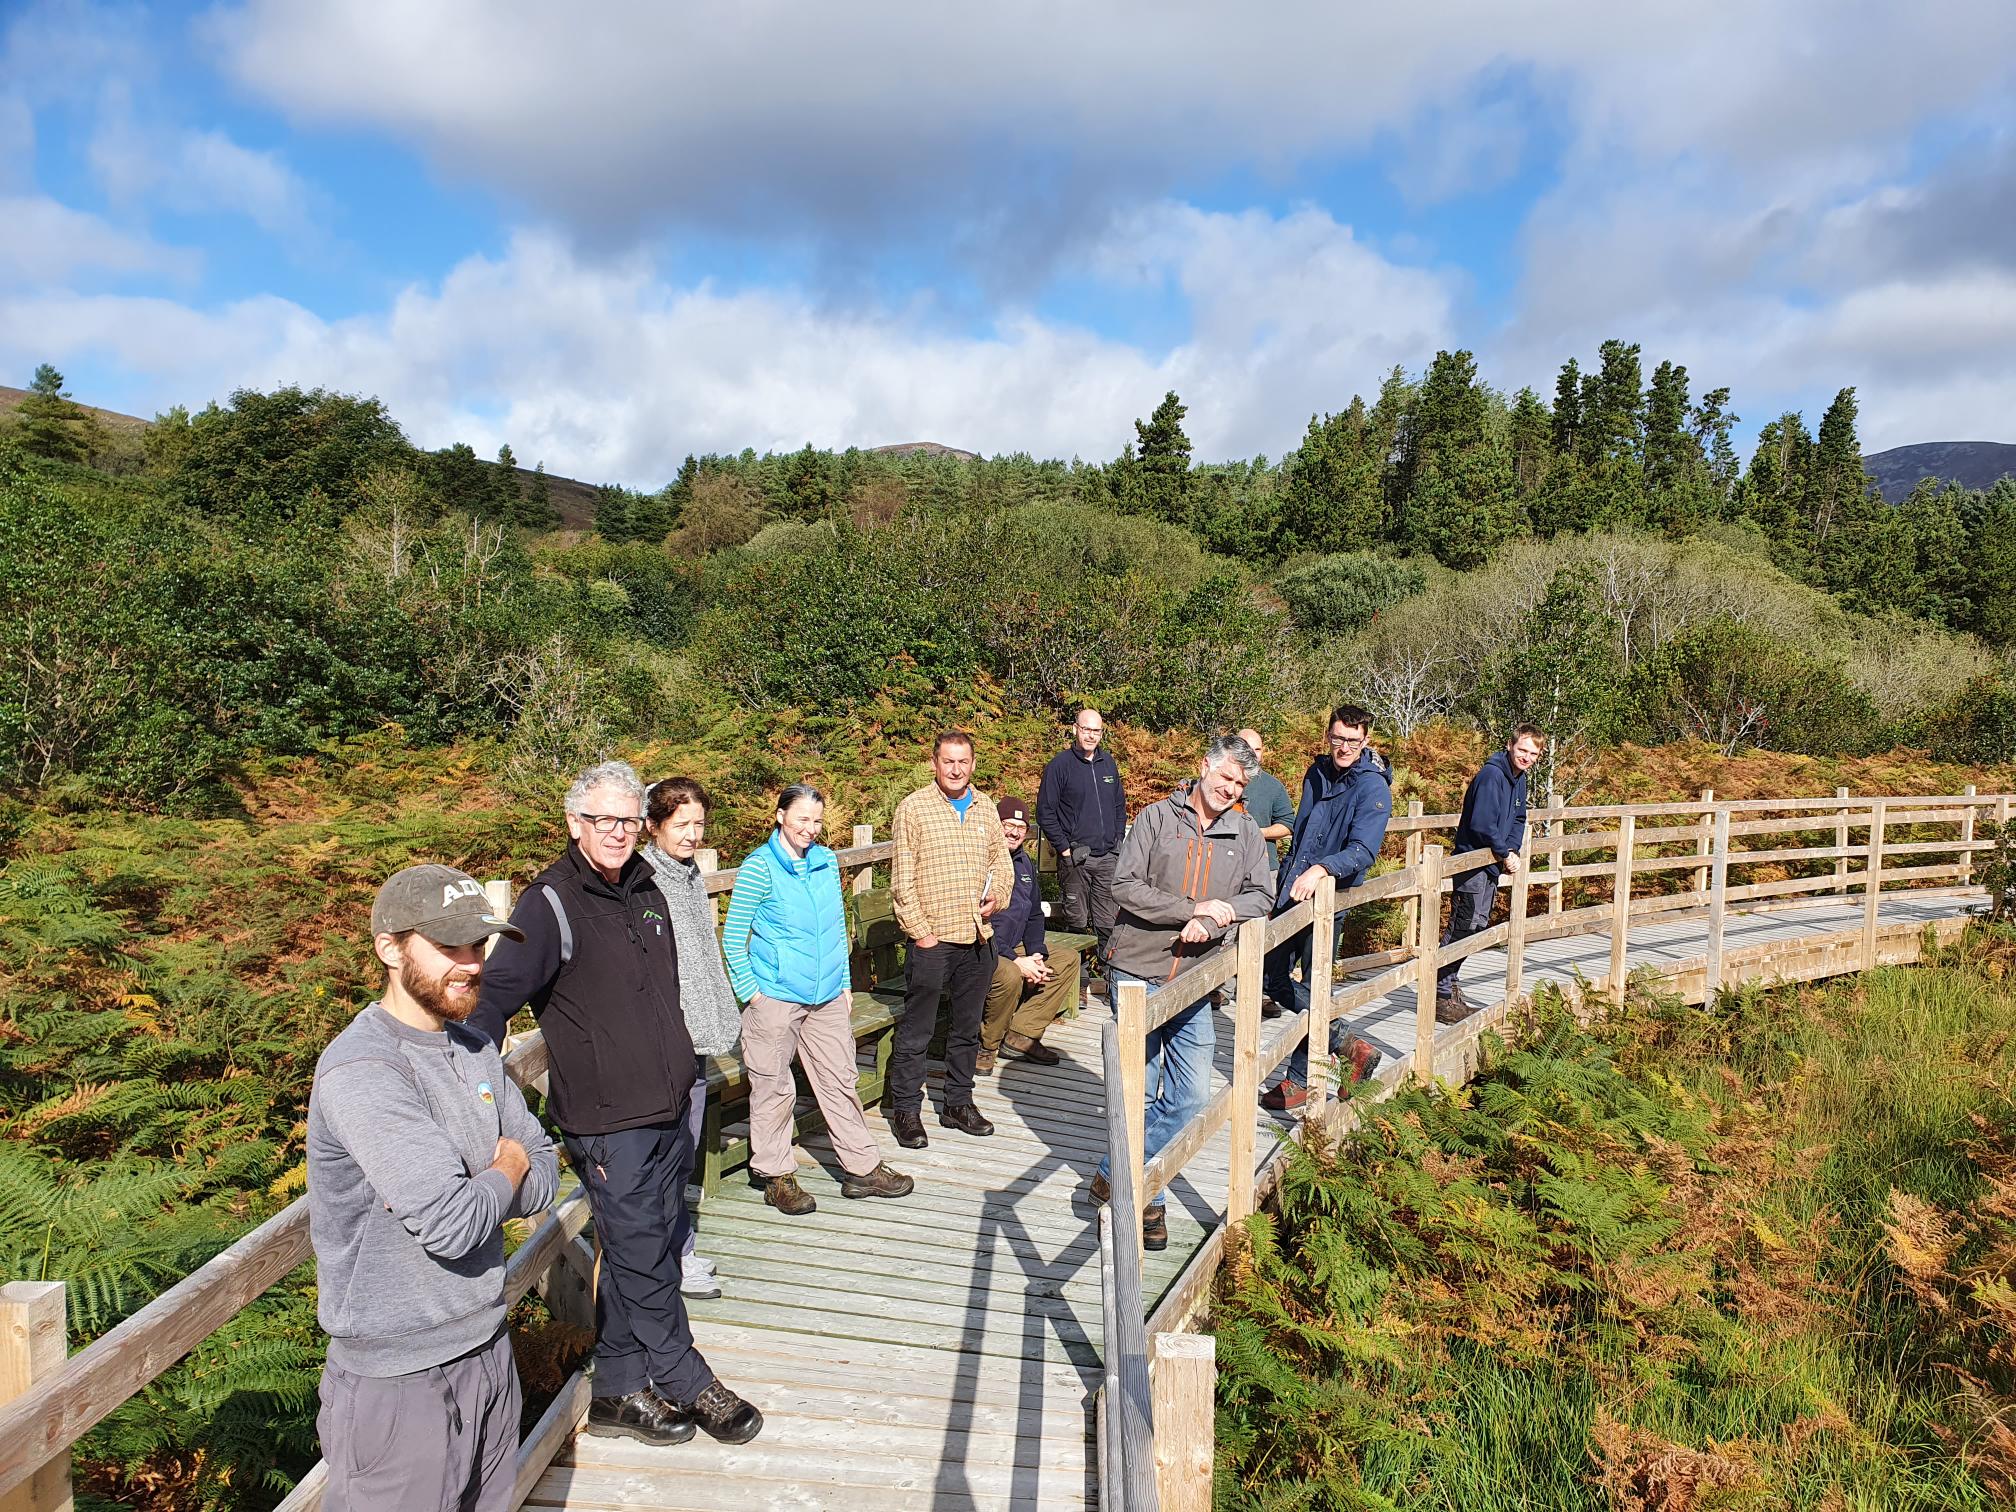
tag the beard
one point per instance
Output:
(431, 992)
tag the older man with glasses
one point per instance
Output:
(599, 967)
(1347, 798)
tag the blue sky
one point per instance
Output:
(614, 235)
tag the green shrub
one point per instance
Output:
(1343, 592)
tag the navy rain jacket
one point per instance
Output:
(1341, 822)
(1494, 807)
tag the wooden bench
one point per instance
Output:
(876, 963)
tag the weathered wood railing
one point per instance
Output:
(1630, 847)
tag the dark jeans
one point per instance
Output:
(1085, 897)
(1294, 996)
(964, 971)
(636, 1181)
(1469, 911)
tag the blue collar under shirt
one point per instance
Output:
(962, 803)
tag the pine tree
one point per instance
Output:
(1531, 431)
(808, 488)
(535, 505)
(1991, 552)
(49, 423)
(1165, 462)
(1710, 422)
(1333, 497)
(1837, 489)
(612, 513)
(1446, 419)
(504, 487)
(1568, 409)
(1613, 407)
(1774, 489)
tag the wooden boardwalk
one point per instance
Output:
(941, 1352)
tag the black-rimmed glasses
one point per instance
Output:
(613, 824)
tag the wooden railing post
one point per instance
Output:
(1252, 948)
(1620, 907)
(1841, 843)
(1556, 828)
(1872, 885)
(34, 1343)
(1718, 902)
(1322, 966)
(1415, 840)
(864, 879)
(1515, 933)
(498, 891)
(1427, 935)
(1131, 1011)
(1183, 1376)
(1703, 846)
(708, 860)
(1966, 878)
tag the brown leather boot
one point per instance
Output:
(1155, 1227)
(784, 1194)
(983, 1063)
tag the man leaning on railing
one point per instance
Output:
(1192, 866)
(1494, 819)
(419, 1146)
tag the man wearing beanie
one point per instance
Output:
(1033, 982)
(419, 1146)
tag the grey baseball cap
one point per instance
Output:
(447, 906)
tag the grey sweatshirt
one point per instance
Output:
(712, 1013)
(403, 1207)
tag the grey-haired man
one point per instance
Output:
(419, 1146)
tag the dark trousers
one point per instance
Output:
(1469, 911)
(1295, 996)
(636, 1180)
(1085, 895)
(964, 971)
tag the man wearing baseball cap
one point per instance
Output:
(419, 1147)
(1034, 981)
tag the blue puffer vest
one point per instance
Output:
(798, 944)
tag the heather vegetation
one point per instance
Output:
(1657, 1258)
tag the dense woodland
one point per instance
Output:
(255, 657)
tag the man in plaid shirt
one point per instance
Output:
(952, 871)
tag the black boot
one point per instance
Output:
(642, 1415)
(966, 1118)
(908, 1129)
(725, 1415)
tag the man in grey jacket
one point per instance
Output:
(1192, 866)
(419, 1146)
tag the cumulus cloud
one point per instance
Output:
(44, 242)
(199, 170)
(605, 371)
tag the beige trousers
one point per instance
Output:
(1013, 1004)
(822, 1037)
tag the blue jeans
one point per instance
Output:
(1293, 995)
(1179, 1074)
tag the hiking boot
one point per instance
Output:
(983, 1063)
(909, 1130)
(725, 1415)
(1100, 1191)
(1452, 1007)
(1360, 1059)
(1283, 1095)
(784, 1194)
(643, 1415)
(880, 1182)
(964, 1117)
(1031, 1049)
(697, 1278)
(1155, 1227)
(1270, 1009)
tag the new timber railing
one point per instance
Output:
(1617, 865)
(1620, 866)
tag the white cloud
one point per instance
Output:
(43, 242)
(198, 171)
(605, 371)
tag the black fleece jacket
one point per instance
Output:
(621, 1057)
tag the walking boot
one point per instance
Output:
(643, 1415)
(1452, 1007)
(784, 1194)
(1031, 1049)
(883, 1181)
(1155, 1227)
(908, 1129)
(983, 1063)
(1360, 1059)
(1100, 1191)
(725, 1415)
(964, 1117)
(1283, 1095)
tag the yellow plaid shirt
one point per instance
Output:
(942, 864)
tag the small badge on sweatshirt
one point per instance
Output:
(483, 1091)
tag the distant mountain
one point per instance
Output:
(924, 448)
(1972, 464)
(10, 401)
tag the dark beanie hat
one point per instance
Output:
(1012, 808)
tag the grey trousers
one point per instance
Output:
(1085, 902)
(444, 1439)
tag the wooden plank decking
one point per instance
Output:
(941, 1352)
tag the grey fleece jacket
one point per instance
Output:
(1168, 864)
(403, 1207)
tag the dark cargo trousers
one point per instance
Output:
(963, 971)
(443, 1438)
(1085, 902)
(636, 1181)
(1470, 899)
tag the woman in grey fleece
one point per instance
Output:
(675, 816)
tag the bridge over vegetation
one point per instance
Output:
(994, 1342)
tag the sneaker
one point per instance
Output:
(697, 1279)
(784, 1194)
(725, 1415)
(883, 1181)
(642, 1415)
(1283, 1095)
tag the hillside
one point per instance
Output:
(1971, 464)
(11, 398)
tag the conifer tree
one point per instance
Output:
(1774, 489)
(1568, 409)
(1837, 489)
(535, 505)
(49, 423)
(1710, 422)
(1333, 499)
(612, 513)
(504, 489)
(1531, 431)
(1165, 462)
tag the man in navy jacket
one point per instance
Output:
(1347, 797)
(1081, 807)
(1494, 819)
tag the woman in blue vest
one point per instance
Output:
(786, 944)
